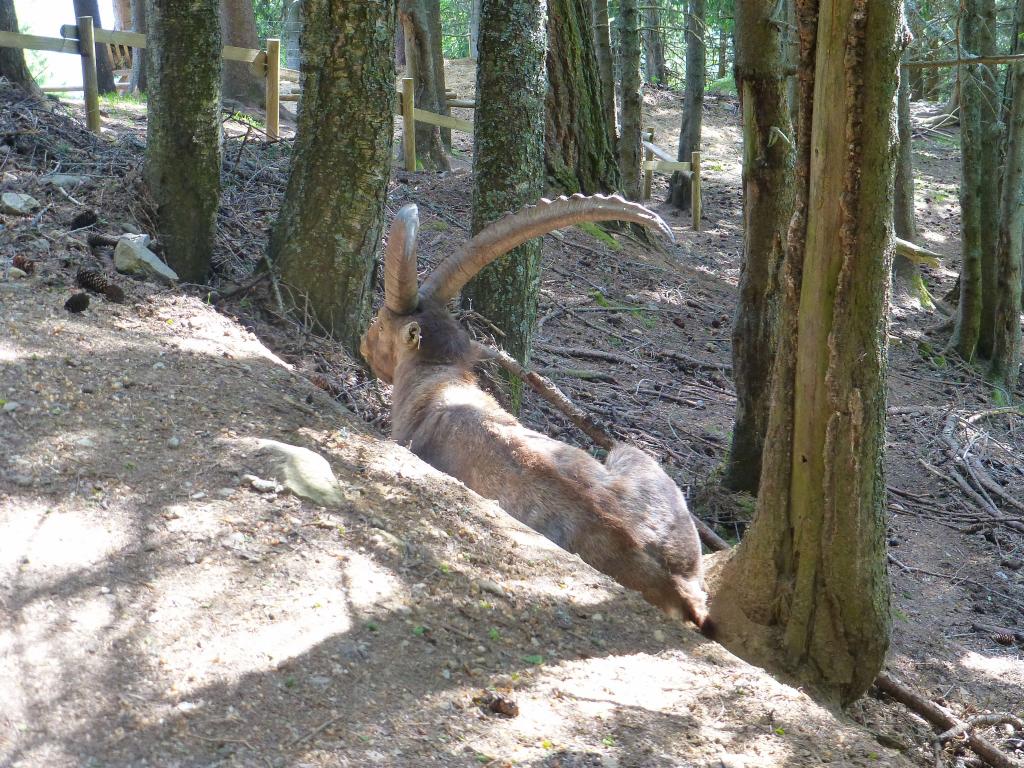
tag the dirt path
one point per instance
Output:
(158, 607)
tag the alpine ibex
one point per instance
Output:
(625, 517)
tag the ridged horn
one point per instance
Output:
(400, 294)
(533, 221)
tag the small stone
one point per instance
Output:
(158, 366)
(225, 493)
(491, 586)
(446, 674)
(198, 496)
(131, 256)
(85, 442)
(18, 204)
(659, 636)
(65, 180)
(16, 274)
(173, 442)
(11, 407)
(597, 617)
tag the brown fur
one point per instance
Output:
(625, 517)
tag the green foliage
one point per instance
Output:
(268, 17)
(725, 85)
(455, 28)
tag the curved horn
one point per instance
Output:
(400, 262)
(505, 234)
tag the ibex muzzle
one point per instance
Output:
(624, 517)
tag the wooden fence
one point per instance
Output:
(81, 39)
(657, 159)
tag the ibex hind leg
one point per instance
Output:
(695, 603)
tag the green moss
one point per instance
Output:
(596, 232)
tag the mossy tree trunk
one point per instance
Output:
(508, 162)
(630, 98)
(183, 139)
(679, 193)
(990, 157)
(422, 22)
(579, 153)
(1005, 368)
(655, 68)
(605, 65)
(808, 585)
(906, 274)
(12, 60)
(329, 229)
(238, 27)
(768, 161)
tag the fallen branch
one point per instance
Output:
(917, 254)
(944, 722)
(587, 424)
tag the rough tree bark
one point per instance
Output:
(990, 157)
(104, 64)
(579, 152)
(655, 68)
(1005, 368)
(508, 164)
(722, 48)
(238, 27)
(327, 234)
(807, 586)
(423, 55)
(693, 101)
(603, 52)
(907, 278)
(139, 80)
(12, 60)
(767, 206)
(630, 99)
(183, 153)
(122, 14)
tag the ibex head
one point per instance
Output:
(413, 320)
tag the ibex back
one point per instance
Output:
(624, 517)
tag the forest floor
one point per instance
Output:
(164, 602)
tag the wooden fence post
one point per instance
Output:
(87, 50)
(648, 172)
(273, 88)
(409, 123)
(695, 188)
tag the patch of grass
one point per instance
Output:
(241, 117)
(596, 232)
(724, 85)
(115, 100)
(437, 225)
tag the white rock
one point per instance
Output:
(132, 257)
(65, 180)
(17, 203)
(11, 407)
(306, 474)
(14, 273)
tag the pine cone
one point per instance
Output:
(78, 302)
(24, 263)
(321, 381)
(97, 282)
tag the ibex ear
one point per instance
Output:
(411, 335)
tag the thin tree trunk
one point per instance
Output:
(474, 29)
(139, 80)
(329, 229)
(792, 58)
(104, 64)
(183, 154)
(693, 101)
(1006, 355)
(991, 170)
(579, 154)
(12, 60)
(722, 48)
(767, 207)
(238, 27)
(603, 53)
(907, 276)
(122, 14)
(655, 70)
(508, 166)
(967, 330)
(630, 98)
(807, 588)
(422, 22)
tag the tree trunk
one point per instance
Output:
(579, 153)
(139, 81)
(603, 53)
(122, 14)
(422, 22)
(238, 26)
(722, 48)
(655, 69)
(767, 207)
(693, 102)
(474, 29)
(969, 317)
(808, 583)
(104, 64)
(792, 58)
(291, 32)
(327, 234)
(12, 60)
(183, 131)
(907, 278)
(508, 166)
(630, 98)
(991, 170)
(1005, 368)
